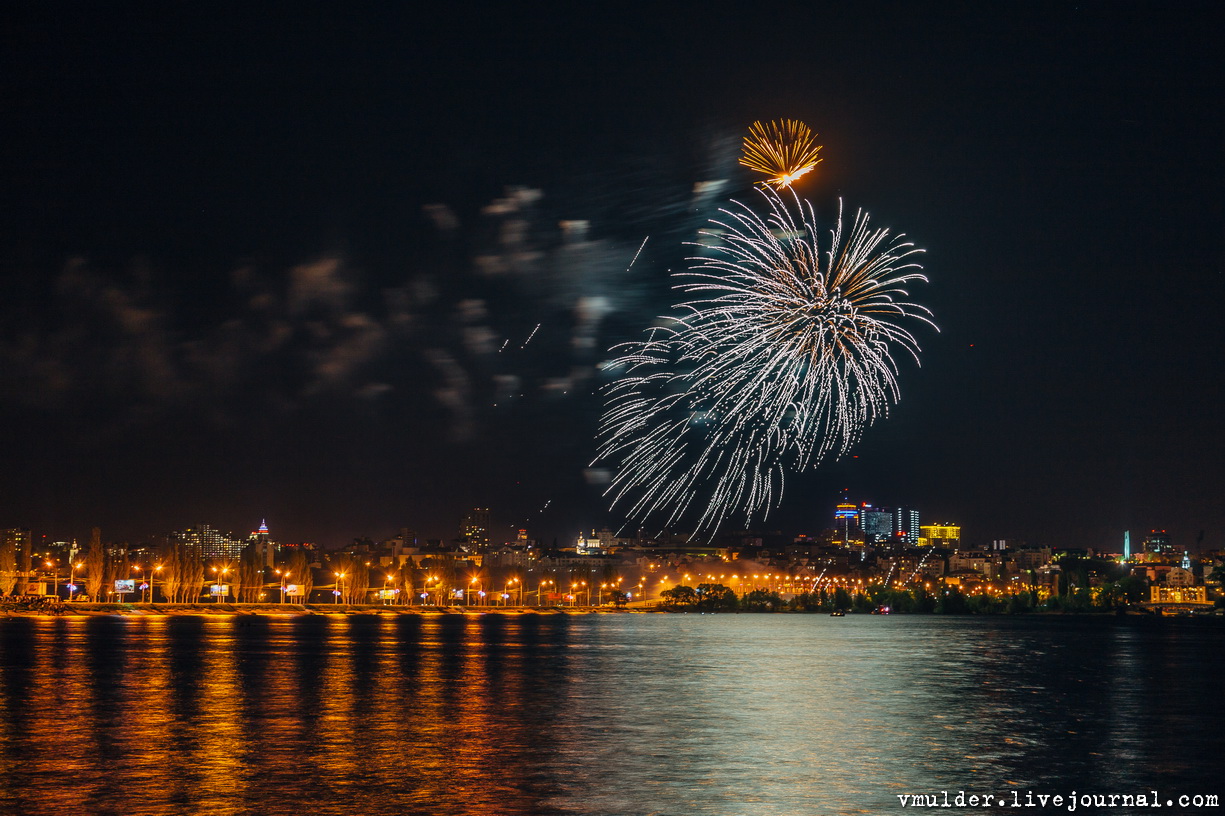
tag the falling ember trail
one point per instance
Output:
(636, 254)
(530, 336)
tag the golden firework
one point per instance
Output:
(782, 150)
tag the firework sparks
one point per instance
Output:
(783, 151)
(641, 247)
(783, 357)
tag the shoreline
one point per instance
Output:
(230, 610)
(90, 609)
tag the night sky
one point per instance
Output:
(261, 265)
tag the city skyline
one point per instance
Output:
(875, 524)
(366, 276)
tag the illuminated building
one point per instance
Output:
(210, 543)
(265, 547)
(1163, 594)
(845, 510)
(588, 545)
(906, 525)
(1179, 577)
(876, 523)
(1158, 542)
(980, 561)
(22, 542)
(846, 520)
(475, 527)
(946, 536)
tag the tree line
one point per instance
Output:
(1084, 585)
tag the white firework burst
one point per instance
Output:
(783, 356)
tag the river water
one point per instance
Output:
(601, 714)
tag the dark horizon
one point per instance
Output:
(260, 267)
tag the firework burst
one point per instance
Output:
(782, 357)
(783, 151)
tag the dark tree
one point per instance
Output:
(95, 565)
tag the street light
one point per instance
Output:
(72, 587)
(284, 583)
(146, 585)
(220, 581)
(152, 573)
(55, 579)
(338, 592)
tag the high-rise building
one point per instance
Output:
(211, 544)
(906, 525)
(265, 547)
(22, 542)
(1158, 542)
(845, 510)
(846, 520)
(474, 528)
(875, 522)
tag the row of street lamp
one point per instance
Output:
(475, 591)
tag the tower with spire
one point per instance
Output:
(264, 546)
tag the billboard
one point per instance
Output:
(219, 589)
(388, 594)
(124, 586)
(294, 590)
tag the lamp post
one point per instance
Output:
(220, 573)
(386, 580)
(338, 592)
(72, 586)
(540, 589)
(55, 579)
(284, 585)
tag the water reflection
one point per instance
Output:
(551, 714)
